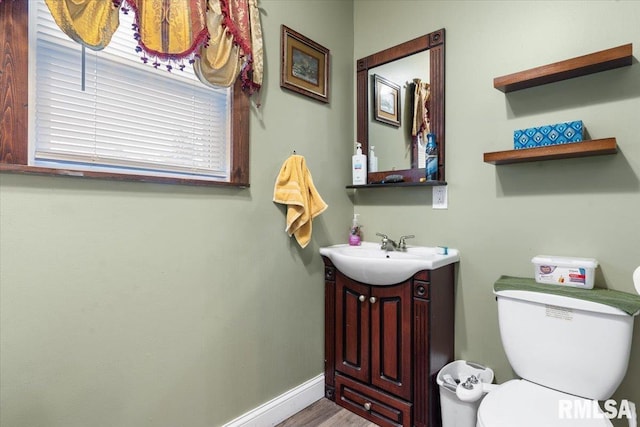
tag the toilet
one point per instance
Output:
(568, 353)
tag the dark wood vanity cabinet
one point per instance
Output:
(384, 345)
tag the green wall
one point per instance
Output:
(499, 217)
(133, 304)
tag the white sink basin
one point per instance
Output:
(369, 264)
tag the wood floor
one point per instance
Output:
(325, 413)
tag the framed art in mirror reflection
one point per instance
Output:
(387, 101)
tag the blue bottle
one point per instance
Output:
(431, 158)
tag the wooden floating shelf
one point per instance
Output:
(580, 66)
(595, 147)
(400, 184)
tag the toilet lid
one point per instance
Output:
(525, 404)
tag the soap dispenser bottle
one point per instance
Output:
(359, 166)
(355, 234)
(373, 160)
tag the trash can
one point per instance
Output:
(455, 412)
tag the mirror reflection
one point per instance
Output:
(386, 105)
(391, 143)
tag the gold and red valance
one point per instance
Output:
(223, 38)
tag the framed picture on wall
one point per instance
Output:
(386, 96)
(304, 65)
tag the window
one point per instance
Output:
(173, 128)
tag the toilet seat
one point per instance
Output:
(525, 404)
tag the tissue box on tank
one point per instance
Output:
(559, 133)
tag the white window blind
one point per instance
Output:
(109, 111)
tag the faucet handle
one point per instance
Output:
(402, 243)
(385, 241)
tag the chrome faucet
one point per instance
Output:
(389, 245)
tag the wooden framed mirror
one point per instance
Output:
(432, 47)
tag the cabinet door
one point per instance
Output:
(352, 328)
(391, 339)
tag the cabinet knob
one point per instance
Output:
(329, 274)
(362, 298)
(372, 300)
(367, 406)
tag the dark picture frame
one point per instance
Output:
(304, 66)
(386, 96)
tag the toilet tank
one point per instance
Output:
(567, 344)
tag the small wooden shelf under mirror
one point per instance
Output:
(401, 184)
(595, 147)
(580, 66)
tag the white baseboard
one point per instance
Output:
(283, 406)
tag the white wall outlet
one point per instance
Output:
(439, 197)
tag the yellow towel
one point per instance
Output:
(294, 188)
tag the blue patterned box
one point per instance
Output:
(559, 133)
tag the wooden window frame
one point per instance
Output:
(14, 93)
